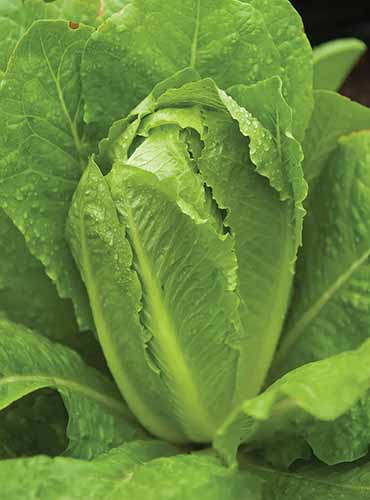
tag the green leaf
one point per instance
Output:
(98, 420)
(96, 236)
(334, 60)
(16, 16)
(133, 471)
(265, 252)
(272, 153)
(296, 404)
(170, 136)
(287, 31)
(229, 41)
(333, 116)
(60, 478)
(330, 307)
(42, 151)
(78, 11)
(174, 135)
(29, 297)
(187, 478)
(26, 294)
(9, 29)
(175, 328)
(317, 482)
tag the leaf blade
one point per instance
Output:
(296, 403)
(334, 60)
(39, 103)
(84, 391)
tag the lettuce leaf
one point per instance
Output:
(16, 17)
(296, 404)
(315, 481)
(334, 60)
(42, 150)
(133, 471)
(230, 41)
(98, 420)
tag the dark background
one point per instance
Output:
(325, 20)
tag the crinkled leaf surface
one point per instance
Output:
(98, 419)
(181, 258)
(274, 154)
(330, 308)
(333, 116)
(27, 295)
(296, 404)
(331, 304)
(42, 151)
(317, 482)
(334, 60)
(163, 344)
(190, 477)
(60, 478)
(16, 16)
(287, 31)
(231, 41)
(130, 472)
(267, 232)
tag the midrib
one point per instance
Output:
(71, 124)
(62, 382)
(311, 313)
(195, 418)
(131, 393)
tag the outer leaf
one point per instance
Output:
(79, 11)
(9, 29)
(333, 116)
(330, 309)
(16, 16)
(95, 236)
(331, 305)
(98, 419)
(176, 328)
(286, 29)
(131, 472)
(44, 478)
(315, 482)
(26, 294)
(42, 152)
(334, 60)
(321, 391)
(187, 478)
(227, 40)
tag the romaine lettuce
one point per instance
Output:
(174, 194)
